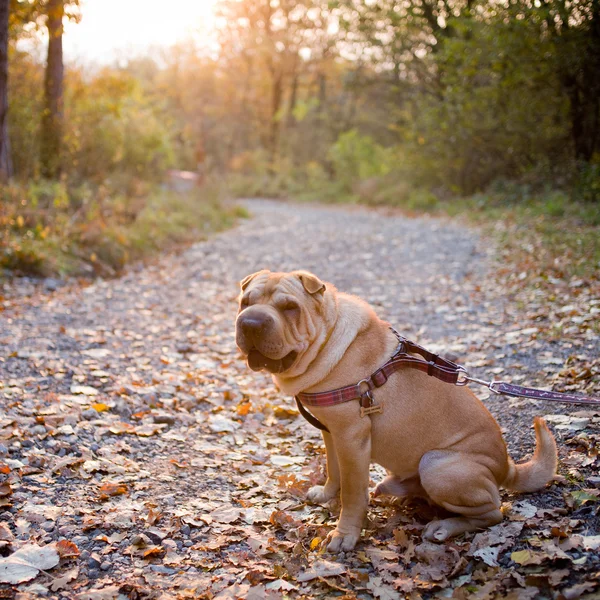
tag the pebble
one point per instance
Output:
(407, 267)
(162, 569)
(90, 414)
(48, 526)
(51, 285)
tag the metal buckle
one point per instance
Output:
(464, 379)
(372, 408)
(463, 376)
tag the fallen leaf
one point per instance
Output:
(85, 390)
(27, 562)
(111, 489)
(321, 568)
(61, 582)
(527, 557)
(67, 549)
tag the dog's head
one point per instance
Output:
(280, 316)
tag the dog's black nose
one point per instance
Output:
(254, 325)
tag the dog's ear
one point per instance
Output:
(312, 284)
(244, 283)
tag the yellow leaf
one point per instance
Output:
(526, 557)
(315, 543)
(100, 407)
(20, 221)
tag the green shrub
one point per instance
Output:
(357, 157)
(51, 228)
(587, 184)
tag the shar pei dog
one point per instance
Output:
(436, 440)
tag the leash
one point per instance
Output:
(435, 366)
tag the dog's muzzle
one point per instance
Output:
(254, 338)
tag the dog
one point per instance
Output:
(436, 440)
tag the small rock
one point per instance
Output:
(122, 408)
(595, 481)
(141, 540)
(38, 430)
(164, 418)
(105, 566)
(155, 537)
(90, 414)
(161, 569)
(51, 285)
(48, 526)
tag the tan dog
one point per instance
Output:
(436, 440)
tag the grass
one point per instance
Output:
(558, 237)
(51, 229)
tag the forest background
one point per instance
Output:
(473, 106)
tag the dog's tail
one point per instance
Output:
(537, 472)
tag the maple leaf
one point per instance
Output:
(61, 582)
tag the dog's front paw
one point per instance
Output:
(320, 494)
(342, 541)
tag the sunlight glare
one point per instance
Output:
(113, 28)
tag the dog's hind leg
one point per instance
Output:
(458, 483)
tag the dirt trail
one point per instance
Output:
(131, 427)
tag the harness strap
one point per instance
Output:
(435, 366)
(310, 418)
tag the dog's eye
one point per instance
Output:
(289, 306)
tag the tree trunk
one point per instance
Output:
(276, 95)
(51, 135)
(5, 158)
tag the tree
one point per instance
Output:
(51, 134)
(5, 157)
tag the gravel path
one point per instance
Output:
(135, 383)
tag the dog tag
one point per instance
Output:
(371, 410)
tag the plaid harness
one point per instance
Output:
(433, 365)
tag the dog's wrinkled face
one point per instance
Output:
(278, 318)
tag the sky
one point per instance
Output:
(112, 29)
